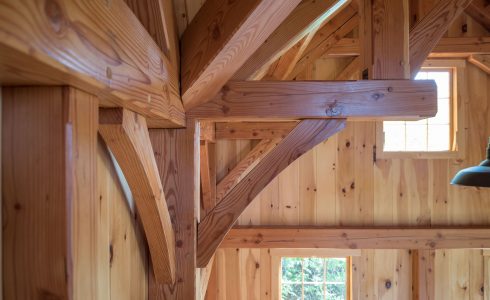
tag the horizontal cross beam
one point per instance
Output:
(368, 99)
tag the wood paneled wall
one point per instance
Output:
(340, 184)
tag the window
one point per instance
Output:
(313, 278)
(435, 137)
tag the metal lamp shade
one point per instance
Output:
(475, 176)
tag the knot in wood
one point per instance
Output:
(333, 110)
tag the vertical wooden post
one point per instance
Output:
(49, 144)
(423, 275)
(177, 157)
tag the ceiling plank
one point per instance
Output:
(97, 46)
(480, 11)
(286, 100)
(357, 238)
(308, 15)
(245, 166)
(326, 37)
(126, 135)
(220, 39)
(253, 130)
(213, 228)
(425, 35)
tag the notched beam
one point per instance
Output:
(213, 228)
(126, 135)
(286, 100)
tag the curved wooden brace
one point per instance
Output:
(126, 135)
(214, 227)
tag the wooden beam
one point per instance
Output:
(207, 131)
(52, 213)
(177, 156)
(480, 11)
(208, 175)
(219, 221)
(308, 15)
(326, 37)
(244, 167)
(425, 35)
(481, 61)
(126, 135)
(357, 238)
(423, 274)
(205, 275)
(220, 39)
(377, 99)
(97, 46)
(352, 71)
(253, 130)
(390, 39)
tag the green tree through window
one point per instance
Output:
(313, 278)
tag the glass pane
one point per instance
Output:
(314, 292)
(336, 268)
(291, 269)
(313, 269)
(442, 81)
(291, 291)
(394, 136)
(439, 138)
(442, 116)
(336, 292)
(416, 137)
(421, 76)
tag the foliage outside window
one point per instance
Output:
(313, 278)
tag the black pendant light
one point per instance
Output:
(475, 176)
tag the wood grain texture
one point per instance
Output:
(425, 35)
(307, 15)
(390, 39)
(352, 71)
(207, 131)
(49, 140)
(480, 11)
(177, 153)
(423, 274)
(481, 61)
(253, 130)
(244, 167)
(326, 37)
(216, 224)
(208, 175)
(126, 135)
(220, 39)
(309, 99)
(356, 238)
(96, 46)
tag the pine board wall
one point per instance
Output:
(340, 184)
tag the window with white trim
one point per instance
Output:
(314, 278)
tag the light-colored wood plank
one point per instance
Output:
(49, 141)
(481, 61)
(56, 43)
(220, 39)
(253, 130)
(357, 238)
(177, 152)
(326, 37)
(425, 35)
(249, 100)
(244, 167)
(423, 274)
(480, 11)
(308, 15)
(208, 175)
(302, 138)
(126, 135)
